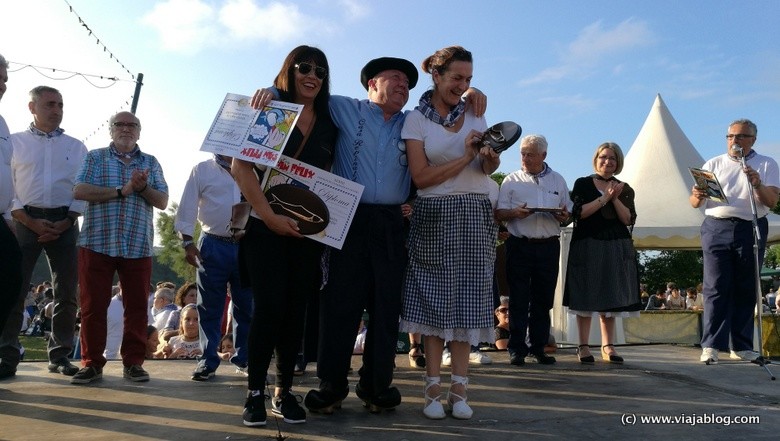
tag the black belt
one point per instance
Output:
(538, 240)
(227, 239)
(730, 219)
(46, 212)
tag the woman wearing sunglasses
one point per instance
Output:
(448, 292)
(281, 265)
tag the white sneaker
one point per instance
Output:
(746, 355)
(446, 358)
(709, 356)
(477, 357)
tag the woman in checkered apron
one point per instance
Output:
(448, 289)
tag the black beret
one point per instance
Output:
(375, 66)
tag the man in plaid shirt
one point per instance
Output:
(123, 186)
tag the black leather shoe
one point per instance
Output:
(516, 360)
(375, 403)
(7, 371)
(63, 366)
(324, 400)
(542, 358)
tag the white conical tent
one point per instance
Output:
(656, 167)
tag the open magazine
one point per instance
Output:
(707, 180)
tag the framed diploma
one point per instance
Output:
(259, 136)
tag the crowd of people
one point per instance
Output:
(436, 283)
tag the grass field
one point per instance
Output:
(34, 348)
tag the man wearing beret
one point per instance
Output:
(367, 273)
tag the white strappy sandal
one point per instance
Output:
(433, 408)
(460, 409)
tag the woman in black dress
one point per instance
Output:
(601, 275)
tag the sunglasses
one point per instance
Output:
(503, 310)
(305, 68)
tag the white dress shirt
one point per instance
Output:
(547, 191)
(208, 196)
(44, 170)
(6, 181)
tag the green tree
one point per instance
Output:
(683, 267)
(172, 254)
(498, 177)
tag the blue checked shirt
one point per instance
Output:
(119, 227)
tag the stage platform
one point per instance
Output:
(567, 400)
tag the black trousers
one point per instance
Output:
(283, 272)
(532, 273)
(10, 272)
(367, 273)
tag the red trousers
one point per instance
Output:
(96, 276)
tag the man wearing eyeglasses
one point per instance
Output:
(728, 245)
(533, 201)
(10, 254)
(44, 163)
(122, 186)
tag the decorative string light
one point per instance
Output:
(97, 40)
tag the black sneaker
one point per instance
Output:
(541, 358)
(254, 411)
(286, 406)
(6, 371)
(136, 373)
(203, 373)
(87, 375)
(63, 366)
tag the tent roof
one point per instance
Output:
(656, 167)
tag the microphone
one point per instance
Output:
(737, 150)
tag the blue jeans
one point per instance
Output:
(220, 261)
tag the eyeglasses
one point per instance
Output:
(739, 136)
(503, 310)
(607, 158)
(305, 68)
(119, 125)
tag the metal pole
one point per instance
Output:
(138, 83)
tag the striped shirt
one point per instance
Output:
(119, 227)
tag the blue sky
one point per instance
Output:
(578, 72)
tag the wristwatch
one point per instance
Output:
(119, 193)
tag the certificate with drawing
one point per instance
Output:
(706, 180)
(305, 189)
(259, 136)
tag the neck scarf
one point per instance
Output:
(748, 157)
(130, 154)
(222, 162)
(541, 174)
(36, 131)
(430, 112)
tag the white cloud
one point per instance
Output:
(189, 25)
(353, 9)
(592, 46)
(573, 102)
(183, 25)
(595, 43)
